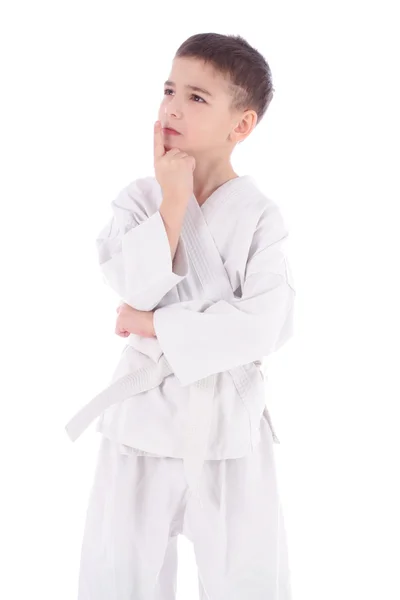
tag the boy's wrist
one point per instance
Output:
(151, 323)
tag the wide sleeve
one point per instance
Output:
(135, 256)
(199, 340)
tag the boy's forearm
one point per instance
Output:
(172, 211)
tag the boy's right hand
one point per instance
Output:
(173, 168)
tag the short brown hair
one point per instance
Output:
(248, 72)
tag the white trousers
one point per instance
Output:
(138, 505)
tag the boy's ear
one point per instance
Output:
(245, 126)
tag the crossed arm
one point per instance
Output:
(199, 338)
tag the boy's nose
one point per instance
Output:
(172, 110)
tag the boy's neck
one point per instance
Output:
(207, 180)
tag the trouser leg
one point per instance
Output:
(240, 539)
(166, 587)
(126, 544)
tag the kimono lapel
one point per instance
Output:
(203, 253)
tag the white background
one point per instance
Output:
(81, 83)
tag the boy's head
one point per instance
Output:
(239, 80)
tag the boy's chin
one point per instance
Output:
(177, 143)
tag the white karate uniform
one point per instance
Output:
(196, 391)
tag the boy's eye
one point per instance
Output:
(196, 96)
(193, 95)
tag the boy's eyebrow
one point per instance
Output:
(191, 87)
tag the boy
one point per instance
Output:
(196, 254)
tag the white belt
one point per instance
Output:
(201, 395)
(200, 410)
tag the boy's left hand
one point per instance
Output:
(130, 320)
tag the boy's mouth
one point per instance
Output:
(169, 131)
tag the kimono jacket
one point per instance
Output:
(224, 302)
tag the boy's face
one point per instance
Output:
(204, 122)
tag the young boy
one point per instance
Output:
(197, 255)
